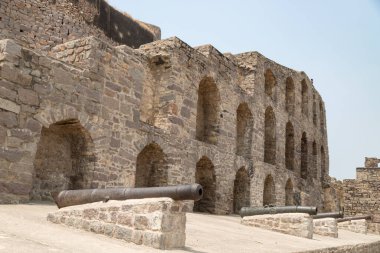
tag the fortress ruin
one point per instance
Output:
(91, 98)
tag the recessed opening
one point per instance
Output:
(200, 192)
(21, 31)
(65, 159)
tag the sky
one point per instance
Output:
(337, 43)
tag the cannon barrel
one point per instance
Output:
(249, 211)
(360, 217)
(79, 197)
(328, 215)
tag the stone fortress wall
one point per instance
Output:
(360, 194)
(42, 24)
(91, 113)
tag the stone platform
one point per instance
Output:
(297, 224)
(159, 223)
(24, 228)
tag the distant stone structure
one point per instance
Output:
(81, 108)
(362, 195)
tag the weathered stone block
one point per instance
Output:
(326, 227)
(9, 106)
(357, 226)
(27, 96)
(297, 224)
(157, 223)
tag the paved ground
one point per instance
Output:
(23, 228)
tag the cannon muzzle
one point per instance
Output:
(79, 197)
(249, 211)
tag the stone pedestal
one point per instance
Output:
(357, 226)
(374, 228)
(326, 227)
(297, 224)
(159, 223)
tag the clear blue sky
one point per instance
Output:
(337, 43)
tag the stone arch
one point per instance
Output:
(270, 136)
(241, 190)
(270, 82)
(315, 160)
(289, 146)
(290, 96)
(289, 193)
(269, 192)
(205, 176)
(304, 157)
(323, 164)
(151, 167)
(207, 121)
(305, 98)
(65, 159)
(321, 116)
(315, 113)
(244, 128)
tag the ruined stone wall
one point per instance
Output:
(42, 24)
(361, 194)
(146, 117)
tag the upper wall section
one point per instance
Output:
(43, 24)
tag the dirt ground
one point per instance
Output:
(24, 229)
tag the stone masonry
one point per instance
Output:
(361, 195)
(91, 112)
(158, 223)
(357, 226)
(326, 227)
(297, 224)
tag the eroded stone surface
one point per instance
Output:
(158, 223)
(357, 226)
(326, 227)
(296, 224)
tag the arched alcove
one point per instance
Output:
(270, 137)
(151, 167)
(205, 176)
(64, 160)
(289, 146)
(244, 128)
(207, 125)
(290, 96)
(241, 190)
(315, 160)
(289, 193)
(269, 192)
(323, 164)
(321, 117)
(305, 98)
(304, 157)
(315, 113)
(270, 82)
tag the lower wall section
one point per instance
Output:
(159, 223)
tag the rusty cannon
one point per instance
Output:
(335, 215)
(250, 211)
(79, 197)
(359, 217)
